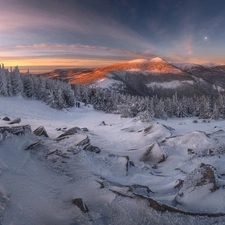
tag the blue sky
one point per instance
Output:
(48, 34)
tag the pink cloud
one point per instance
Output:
(41, 48)
(65, 19)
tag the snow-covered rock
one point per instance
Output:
(40, 131)
(198, 190)
(116, 185)
(153, 154)
(69, 132)
(7, 132)
(6, 118)
(157, 132)
(196, 141)
(17, 120)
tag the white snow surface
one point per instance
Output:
(138, 61)
(156, 59)
(209, 65)
(142, 61)
(106, 83)
(169, 85)
(41, 184)
(185, 66)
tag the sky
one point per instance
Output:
(47, 34)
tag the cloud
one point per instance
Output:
(43, 48)
(62, 55)
(64, 20)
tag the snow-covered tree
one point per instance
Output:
(28, 86)
(3, 83)
(17, 85)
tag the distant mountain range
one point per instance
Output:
(150, 77)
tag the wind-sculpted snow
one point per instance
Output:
(4, 200)
(158, 132)
(164, 172)
(190, 143)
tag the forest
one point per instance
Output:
(59, 94)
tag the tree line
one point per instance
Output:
(59, 94)
(149, 107)
(55, 93)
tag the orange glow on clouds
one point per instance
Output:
(41, 64)
(46, 57)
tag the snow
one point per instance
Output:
(142, 61)
(134, 70)
(138, 61)
(218, 88)
(209, 65)
(156, 59)
(41, 183)
(189, 66)
(185, 66)
(106, 83)
(169, 85)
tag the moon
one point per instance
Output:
(205, 38)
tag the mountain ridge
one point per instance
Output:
(150, 77)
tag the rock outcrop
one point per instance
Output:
(17, 120)
(80, 204)
(7, 132)
(71, 131)
(40, 131)
(6, 118)
(153, 154)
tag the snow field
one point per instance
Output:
(41, 187)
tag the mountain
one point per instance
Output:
(67, 74)
(86, 76)
(153, 66)
(150, 77)
(214, 75)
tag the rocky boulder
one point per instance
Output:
(6, 118)
(204, 175)
(17, 120)
(153, 154)
(157, 132)
(200, 189)
(91, 148)
(7, 132)
(40, 131)
(71, 131)
(80, 204)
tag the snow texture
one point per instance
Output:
(175, 166)
(169, 85)
(157, 59)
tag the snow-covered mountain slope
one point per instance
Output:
(108, 172)
(151, 77)
(210, 64)
(212, 74)
(187, 66)
(154, 65)
(148, 77)
(67, 74)
(83, 76)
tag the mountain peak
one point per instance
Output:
(157, 59)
